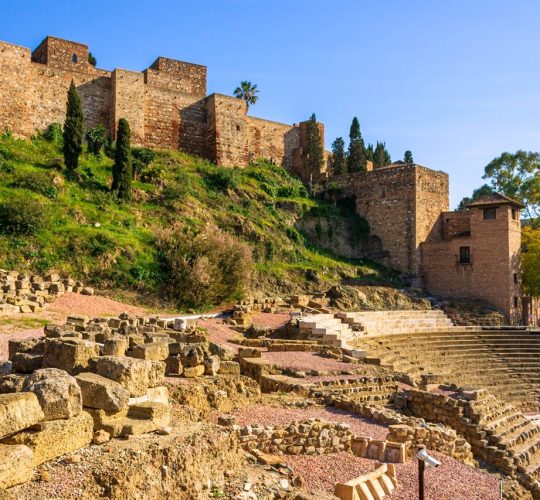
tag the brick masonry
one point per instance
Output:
(166, 106)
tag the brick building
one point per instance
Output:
(166, 105)
(468, 255)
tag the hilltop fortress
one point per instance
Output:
(473, 254)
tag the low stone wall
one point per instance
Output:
(403, 429)
(25, 293)
(306, 437)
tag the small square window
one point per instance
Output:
(74, 58)
(238, 128)
(464, 255)
(515, 214)
(515, 278)
(516, 302)
(490, 213)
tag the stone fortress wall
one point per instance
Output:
(166, 105)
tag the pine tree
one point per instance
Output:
(369, 152)
(407, 157)
(122, 174)
(339, 161)
(314, 149)
(356, 159)
(381, 157)
(73, 129)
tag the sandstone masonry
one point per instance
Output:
(166, 105)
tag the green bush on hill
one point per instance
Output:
(81, 229)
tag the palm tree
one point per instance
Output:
(248, 92)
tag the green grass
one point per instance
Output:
(110, 245)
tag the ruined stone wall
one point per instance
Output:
(494, 260)
(128, 101)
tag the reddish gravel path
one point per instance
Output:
(220, 333)
(451, 481)
(304, 361)
(269, 320)
(92, 305)
(277, 415)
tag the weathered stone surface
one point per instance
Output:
(212, 365)
(18, 411)
(58, 393)
(115, 346)
(133, 374)
(70, 355)
(174, 365)
(24, 362)
(194, 371)
(54, 438)
(229, 367)
(192, 356)
(154, 351)
(33, 345)
(11, 383)
(156, 375)
(140, 419)
(101, 437)
(16, 465)
(102, 392)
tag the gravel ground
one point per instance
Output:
(304, 361)
(277, 415)
(220, 333)
(451, 481)
(17, 334)
(269, 320)
(92, 305)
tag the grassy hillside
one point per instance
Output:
(49, 221)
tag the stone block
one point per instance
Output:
(24, 362)
(32, 345)
(101, 392)
(212, 365)
(157, 373)
(194, 371)
(229, 368)
(11, 383)
(192, 356)
(18, 411)
(16, 465)
(154, 351)
(173, 366)
(58, 393)
(133, 374)
(115, 346)
(49, 440)
(70, 355)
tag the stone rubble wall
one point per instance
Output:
(26, 293)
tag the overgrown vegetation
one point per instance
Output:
(74, 224)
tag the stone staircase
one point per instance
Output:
(328, 329)
(398, 321)
(507, 363)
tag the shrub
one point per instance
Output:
(53, 133)
(208, 268)
(38, 182)
(141, 159)
(22, 216)
(221, 179)
(97, 139)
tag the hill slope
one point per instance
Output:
(49, 221)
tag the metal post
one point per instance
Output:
(421, 469)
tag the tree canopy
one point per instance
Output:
(248, 92)
(477, 193)
(339, 159)
(408, 157)
(73, 129)
(381, 156)
(356, 158)
(530, 261)
(517, 175)
(315, 149)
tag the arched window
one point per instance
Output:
(74, 58)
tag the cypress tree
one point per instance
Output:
(339, 161)
(122, 173)
(369, 152)
(73, 129)
(407, 157)
(381, 157)
(356, 159)
(314, 150)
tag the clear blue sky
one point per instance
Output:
(455, 81)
